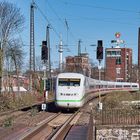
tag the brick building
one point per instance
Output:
(95, 73)
(118, 64)
(78, 64)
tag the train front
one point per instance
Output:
(69, 90)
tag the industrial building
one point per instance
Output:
(118, 64)
(78, 64)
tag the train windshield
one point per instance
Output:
(69, 82)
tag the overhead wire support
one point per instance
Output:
(48, 46)
(32, 44)
(45, 17)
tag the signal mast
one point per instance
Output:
(99, 58)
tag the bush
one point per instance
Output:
(9, 102)
(114, 99)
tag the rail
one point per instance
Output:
(61, 132)
(37, 129)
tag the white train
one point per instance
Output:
(72, 89)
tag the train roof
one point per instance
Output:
(70, 75)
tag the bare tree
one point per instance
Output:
(14, 54)
(39, 63)
(134, 73)
(11, 20)
(11, 23)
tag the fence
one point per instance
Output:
(118, 117)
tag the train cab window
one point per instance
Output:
(69, 82)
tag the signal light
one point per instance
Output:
(100, 50)
(44, 52)
(48, 84)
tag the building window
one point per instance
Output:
(113, 53)
(108, 53)
(118, 61)
(118, 71)
(118, 52)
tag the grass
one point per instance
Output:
(114, 99)
(8, 122)
(115, 112)
(10, 102)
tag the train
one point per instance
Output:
(73, 89)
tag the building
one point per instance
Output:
(95, 73)
(78, 64)
(118, 64)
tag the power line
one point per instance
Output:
(62, 21)
(100, 19)
(45, 17)
(99, 7)
(90, 18)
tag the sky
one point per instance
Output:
(87, 20)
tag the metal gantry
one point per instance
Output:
(32, 44)
(48, 46)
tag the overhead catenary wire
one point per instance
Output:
(110, 20)
(101, 19)
(63, 21)
(45, 17)
(99, 7)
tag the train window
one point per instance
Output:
(134, 85)
(117, 86)
(69, 82)
(126, 85)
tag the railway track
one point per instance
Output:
(56, 126)
(61, 126)
(47, 128)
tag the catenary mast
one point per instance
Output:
(32, 44)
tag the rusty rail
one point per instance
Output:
(62, 131)
(37, 129)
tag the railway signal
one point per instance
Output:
(100, 50)
(48, 84)
(99, 58)
(44, 51)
